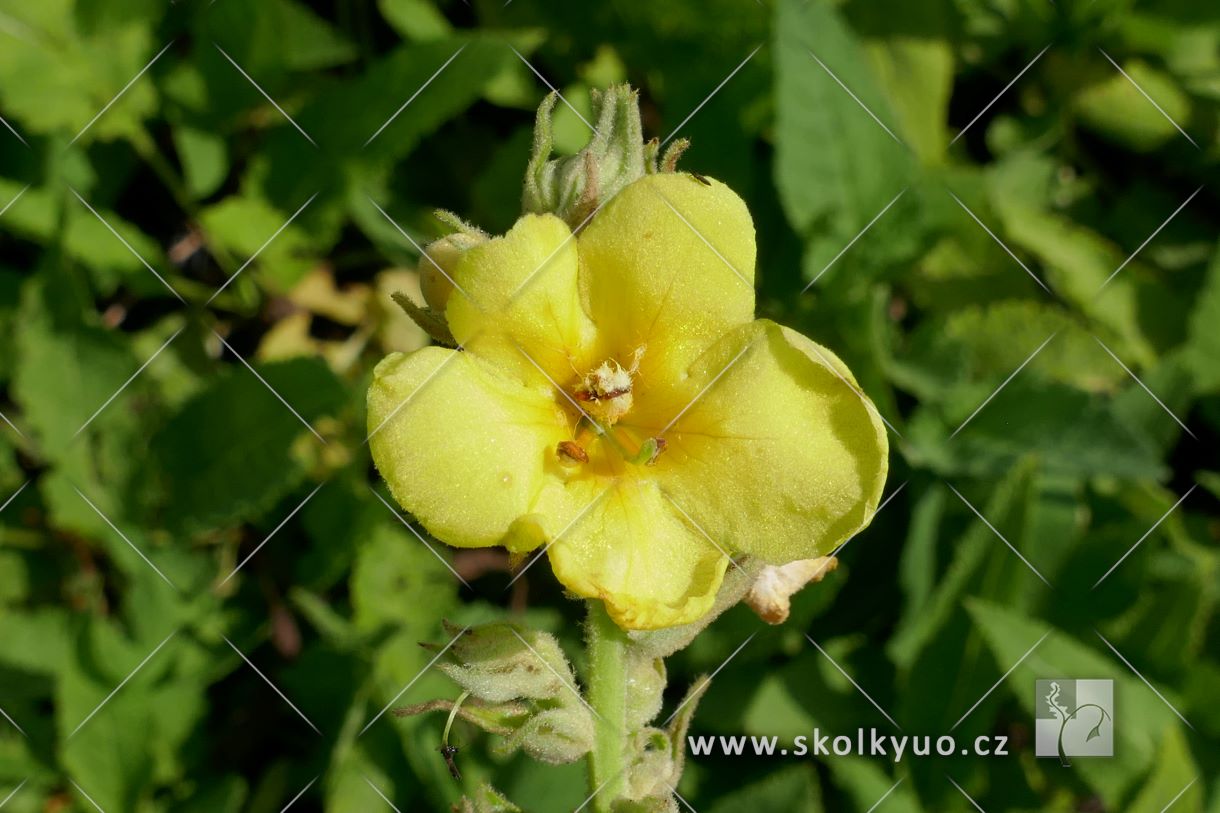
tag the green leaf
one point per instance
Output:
(242, 225)
(1142, 718)
(415, 19)
(228, 455)
(1118, 110)
(1203, 346)
(81, 71)
(1069, 431)
(204, 157)
(835, 167)
(277, 36)
(791, 790)
(1166, 788)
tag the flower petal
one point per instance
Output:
(775, 453)
(463, 448)
(668, 264)
(517, 305)
(624, 543)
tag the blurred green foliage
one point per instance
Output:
(160, 439)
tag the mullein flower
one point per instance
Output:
(613, 400)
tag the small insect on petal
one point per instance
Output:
(700, 178)
(571, 452)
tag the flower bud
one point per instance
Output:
(771, 594)
(438, 264)
(574, 186)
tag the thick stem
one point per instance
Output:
(608, 696)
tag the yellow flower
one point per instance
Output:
(617, 402)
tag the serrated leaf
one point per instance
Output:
(791, 790)
(1145, 718)
(227, 455)
(835, 167)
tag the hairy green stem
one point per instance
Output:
(608, 696)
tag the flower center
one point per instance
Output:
(606, 391)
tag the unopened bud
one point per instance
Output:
(439, 263)
(771, 594)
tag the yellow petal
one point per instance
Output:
(463, 448)
(516, 302)
(624, 543)
(668, 265)
(774, 451)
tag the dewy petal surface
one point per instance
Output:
(668, 265)
(782, 457)
(463, 448)
(517, 303)
(624, 543)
